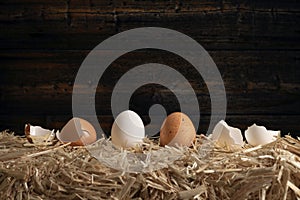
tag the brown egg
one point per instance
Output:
(177, 129)
(77, 131)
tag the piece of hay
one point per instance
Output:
(203, 171)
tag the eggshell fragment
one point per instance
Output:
(178, 129)
(38, 135)
(77, 131)
(259, 135)
(127, 130)
(227, 135)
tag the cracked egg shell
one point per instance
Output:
(37, 134)
(77, 131)
(227, 135)
(259, 135)
(178, 129)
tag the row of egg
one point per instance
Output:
(128, 130)
(177, 128)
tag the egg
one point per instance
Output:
(227, 135)
(178, 129)
(77, 131)
(127, 130)
(259, 135)
(38, 135)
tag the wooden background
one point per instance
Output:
(255, 45)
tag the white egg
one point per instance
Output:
(259, 135)
(227, 135)
(127, 130)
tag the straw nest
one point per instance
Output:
(203, 171)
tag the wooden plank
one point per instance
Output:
(237, 29)
(32, 6)
(255, 82)
(59, 100)
(261, 67)
(254, 44)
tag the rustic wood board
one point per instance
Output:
(254, 44)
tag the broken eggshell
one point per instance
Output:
(227, 135)
(38, 135)
(77, 131)
(259, 135)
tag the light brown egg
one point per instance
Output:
(177, 129)
(77, 131)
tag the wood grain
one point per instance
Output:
(216, 25)
(255, 45)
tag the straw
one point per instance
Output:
(203, 171)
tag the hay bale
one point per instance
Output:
(204, 171)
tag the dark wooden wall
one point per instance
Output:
(255, 45)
